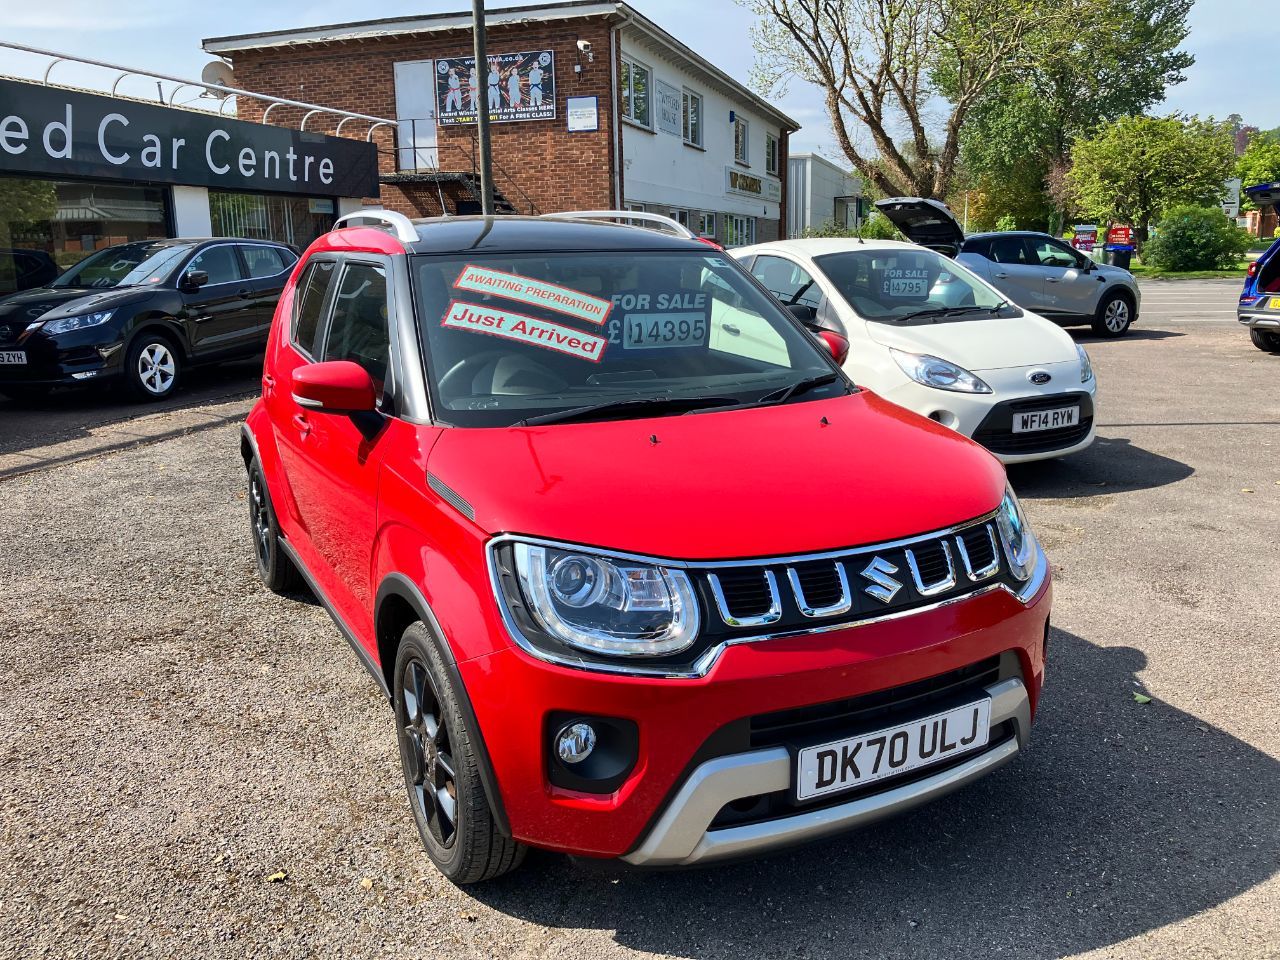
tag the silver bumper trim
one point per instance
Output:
(682, 836)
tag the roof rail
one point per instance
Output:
(399, 225)
(672, 226)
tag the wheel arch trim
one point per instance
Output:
(397, 585)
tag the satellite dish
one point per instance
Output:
(217, 74)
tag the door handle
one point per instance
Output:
(245, 294)
(268, 384)
(1001, 276)
(300, 421)
(1053, 279)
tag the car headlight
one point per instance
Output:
(936, 372)
(1015, 533)
(1086, 368)
(68, 324)
(612, 606)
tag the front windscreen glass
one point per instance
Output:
(523, 336)
(908, 285)
(128, 265)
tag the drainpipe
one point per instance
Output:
(615, 47)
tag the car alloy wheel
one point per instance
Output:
(428, 756)
(1117, 316)
(259, 518)
(157, 368)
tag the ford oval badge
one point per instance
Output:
(1039, 377)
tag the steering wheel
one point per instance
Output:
(457, 379)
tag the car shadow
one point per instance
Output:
(1121, 818)
(72, 413)
(1110, 465)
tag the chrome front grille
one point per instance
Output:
(857, 584)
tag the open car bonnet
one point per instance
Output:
(978, 342)
(763, 481)
(929, 223)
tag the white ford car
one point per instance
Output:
(929, 335)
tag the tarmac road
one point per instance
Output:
(172, 736)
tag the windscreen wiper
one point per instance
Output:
(950, 311)
(783, 394)
(649, 406)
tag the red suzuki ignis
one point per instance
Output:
(643, 575)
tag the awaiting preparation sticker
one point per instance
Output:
(539, 293)
(518, 327)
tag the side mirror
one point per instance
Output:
(337, 386)
(803, 312)
(194, 279)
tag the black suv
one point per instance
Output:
(141, 312)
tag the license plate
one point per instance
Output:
(13, 356)
(1046, 419)
(647, 331)
(907, 288)
(1273, 303)
(858, 761)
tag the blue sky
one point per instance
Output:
(1229, 75)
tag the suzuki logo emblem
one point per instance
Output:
(1039, 377)
(883, 587)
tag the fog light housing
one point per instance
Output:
(575, 742)
(589, 754)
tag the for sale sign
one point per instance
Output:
(512, 86)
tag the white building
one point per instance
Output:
(821, 194)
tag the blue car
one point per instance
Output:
(1260, 299)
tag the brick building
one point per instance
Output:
(594, 106)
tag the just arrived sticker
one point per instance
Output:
(538, 293)
(522, 329)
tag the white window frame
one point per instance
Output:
(626, 92)
(739, 230)
(686, 97)
(772, 153)
(706, 224)
(743, 124)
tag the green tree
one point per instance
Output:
(1135, 168)
(1259, 164)
(1116, 63)
(906, 74)
(1196, 238)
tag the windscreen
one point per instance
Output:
(127, 265)
(509, 337)
(905, 284)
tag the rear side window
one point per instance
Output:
(1011, 250)
(313, 288)
(219, 263)
(263, 261)
(358, 331)
(787, 281)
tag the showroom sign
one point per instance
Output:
(51, 132)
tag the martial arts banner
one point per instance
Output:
(516, 86)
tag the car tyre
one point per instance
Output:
(441, 774)
(1115, 314)
(153, 367)
(275, 569)
(1267, 340)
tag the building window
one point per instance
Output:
(707, 225)
(638, 207)
(770, 154)
(47, 226)
(256, 216)
(681, 217)
(635, 92)
(739, 231)
(740, 127)
(691, 105)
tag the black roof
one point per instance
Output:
(1008, 233)
(523, 234)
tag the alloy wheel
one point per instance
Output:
(1117, 316)
(157, 368)
(260, 517)
(428, 755)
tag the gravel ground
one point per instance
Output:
(190, 766)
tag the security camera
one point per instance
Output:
(584, 46)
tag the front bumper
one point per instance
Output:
(685, 834)
(84, 357)
(691, 746)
